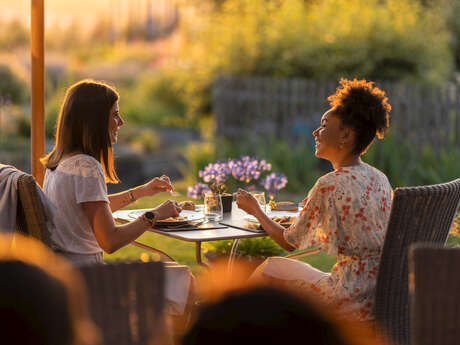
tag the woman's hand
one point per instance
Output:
(157, 185)
(167, 209)
(247, 202)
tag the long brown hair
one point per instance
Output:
(83, 125)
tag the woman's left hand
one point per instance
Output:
(158, 184)
(247, 202)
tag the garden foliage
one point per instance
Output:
(13, 89)
(384, 40)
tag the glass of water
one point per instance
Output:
(213, 207)
(260, 197)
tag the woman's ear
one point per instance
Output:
(347, 136)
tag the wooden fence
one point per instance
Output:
(261, 107)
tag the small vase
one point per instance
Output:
(227, 200)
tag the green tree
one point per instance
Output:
(390, 40)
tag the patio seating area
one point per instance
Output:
(222, 172)
(127, 301)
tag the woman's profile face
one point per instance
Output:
(328, 136)
(115, 121)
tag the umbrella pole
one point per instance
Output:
(37, 125)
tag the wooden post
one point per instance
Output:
(37, 138)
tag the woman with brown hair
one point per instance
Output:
(346, 212)
(77, 170)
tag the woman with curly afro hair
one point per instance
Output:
(346, 212)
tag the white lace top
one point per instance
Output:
(76, 180)
(346, 214)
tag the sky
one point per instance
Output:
(60, 11)
(63, 12)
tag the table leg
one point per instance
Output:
(231, 259)
(198, 254)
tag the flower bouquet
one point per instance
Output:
(245, 172)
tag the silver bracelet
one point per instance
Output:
(131, 196)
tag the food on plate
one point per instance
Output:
(283, 206)
(187, 205)
(253, 226)
(174, 219)
(284, 220)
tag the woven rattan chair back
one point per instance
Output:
(434, 287)
(126, 301)
(31, 219)
(418, 214)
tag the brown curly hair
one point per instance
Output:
(363, 107)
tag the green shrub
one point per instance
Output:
(13, 34)
(250, 247)
(153, 99)
(449, 9)
(53, 106)
(199, 154)
(146, 141)
(23, 126)
(406, 166)
(453, 13)
(385, 40)
(12, 88)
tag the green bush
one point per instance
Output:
(23, 126)
(153, 99)
(53, 106)
(385, 40)
(199, 154)
(12, 88)
(454, 26)
(250, 247)
(146, 141)
(406, 166)
(449, 9)
(13, 34)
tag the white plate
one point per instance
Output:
(272, 214)
(192, 217)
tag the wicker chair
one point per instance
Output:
(434, 286)
(418, 214)
(127, 301)
(31, 219)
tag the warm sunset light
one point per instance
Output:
(211, 170)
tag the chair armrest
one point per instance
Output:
(153, 250)
(303, 253)
(144, 246)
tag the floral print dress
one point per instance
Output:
(346, 214)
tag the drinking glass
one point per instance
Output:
(260, 197)
(213, 207)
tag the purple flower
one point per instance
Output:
(215, 173)
(198, 190)
(273, 183)
(247, 168)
